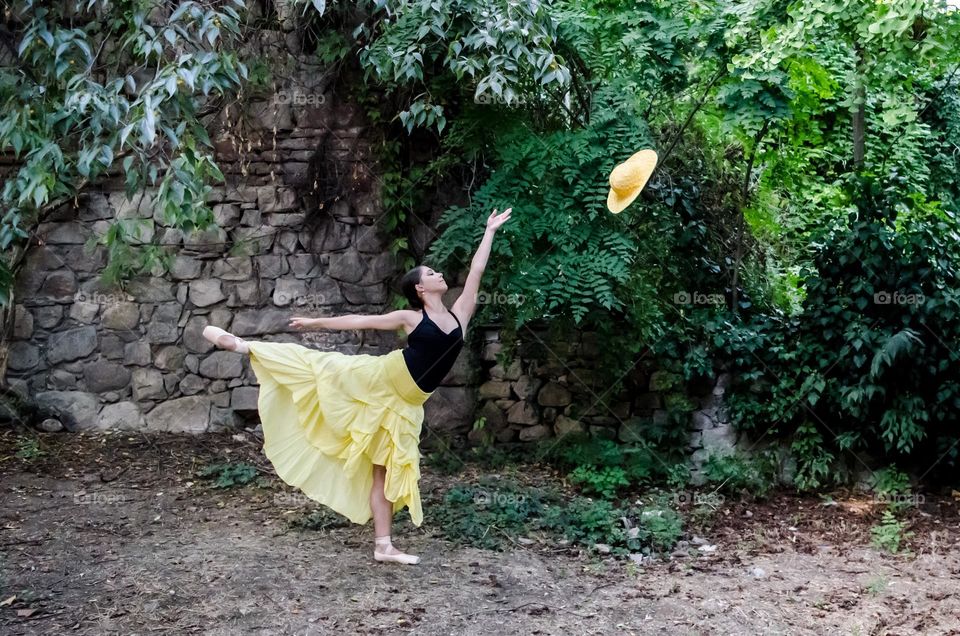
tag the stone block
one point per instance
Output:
(494, 389)
(182, 415)
(76, 409)
(101, 376)
(523, 412)
(121, 315)
(222, 365)
(71, 344)
(553, 394)
(122, 416)
(450, 409)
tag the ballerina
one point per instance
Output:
(345, 429)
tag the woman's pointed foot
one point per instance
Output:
(384, 551)
(225, 340)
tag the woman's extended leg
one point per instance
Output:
(382, 507)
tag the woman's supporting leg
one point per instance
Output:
(382, 520)
(382, 507)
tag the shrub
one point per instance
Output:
(888, 534)
(588, 521)
(604, 482)
(229, 474)
(867, 365)
(444, 460)
(488, 513)
(735, 472)
(592, 521)
(638, 463)
(492, 513)
(659, 527)
(28, 449)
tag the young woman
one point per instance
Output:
(345, 429)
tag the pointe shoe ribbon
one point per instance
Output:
(225, 340)
(409, 559)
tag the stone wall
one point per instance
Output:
(551, 389)
(298, 235)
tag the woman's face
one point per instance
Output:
(431, 281)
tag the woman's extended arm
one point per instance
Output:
(466, 304)
(390, 321)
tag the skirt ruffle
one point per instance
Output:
(328, 417)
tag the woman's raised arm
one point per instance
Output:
(466, 304)
(390, 321)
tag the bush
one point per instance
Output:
(489, 513)
(868, 364)
(604, 482)
(444, 460)
(736, 472)
(888, 534)
(589, 522)
(496, 457)
(890, 481)
(28, 448)
(596, 521)
(229, 474)
(637, 463)
(492, 513)
(659, 527)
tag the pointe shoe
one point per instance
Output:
(225, 340)
(408, 559)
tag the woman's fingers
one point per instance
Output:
(496, 220)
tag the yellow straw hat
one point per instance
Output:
(628, 179)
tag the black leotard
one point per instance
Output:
(430, 353)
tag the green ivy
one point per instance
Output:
(101, 87)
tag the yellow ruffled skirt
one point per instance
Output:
(328, 417)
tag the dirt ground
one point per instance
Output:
(113, 533)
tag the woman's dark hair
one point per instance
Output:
(408, 284)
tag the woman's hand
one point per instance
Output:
(300, 323)
(494, 221)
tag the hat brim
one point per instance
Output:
(618, 204)
(646, 162)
